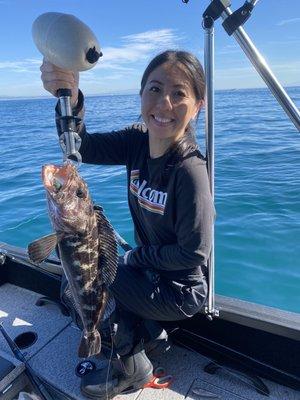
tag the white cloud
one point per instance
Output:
(129, 59)
(134, 48)
(229, 49)
(28, 65)
(284, 42)
(288, 21)
(138, 47)
(121, 66)
(288, 67)
(246, 70)
(161, 36)
(246, 76)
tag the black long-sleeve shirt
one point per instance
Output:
(173, 223)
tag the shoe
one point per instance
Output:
(154, 347)
(155, 338)
(128, 373)
(159, 345)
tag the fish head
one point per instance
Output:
(69, 203)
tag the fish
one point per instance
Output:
(87, 247)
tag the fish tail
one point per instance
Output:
(90, 344)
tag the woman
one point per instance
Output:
(164, 277)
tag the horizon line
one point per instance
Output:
(127, 92)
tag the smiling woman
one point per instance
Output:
(164, 277)
(168, 105)
(172, 93)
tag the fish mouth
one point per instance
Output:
(56, 177)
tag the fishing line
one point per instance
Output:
(90, 297)
(110, 358)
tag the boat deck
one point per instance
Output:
(54, 357)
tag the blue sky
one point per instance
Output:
(132, 32)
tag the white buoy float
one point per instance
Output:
(66, 41)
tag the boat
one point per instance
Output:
(249, 352)
(231, 350)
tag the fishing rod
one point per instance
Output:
(34, 380)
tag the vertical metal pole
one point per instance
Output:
(208, 25)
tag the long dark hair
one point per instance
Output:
(195, 74)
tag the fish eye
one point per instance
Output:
(80, 193)
(57, 185)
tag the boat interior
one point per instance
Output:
(248, 352)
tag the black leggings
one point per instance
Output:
(144, 295)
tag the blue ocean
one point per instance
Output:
(257, 184)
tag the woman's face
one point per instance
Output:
(168, 102)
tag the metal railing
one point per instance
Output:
(232, 23)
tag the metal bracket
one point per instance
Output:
(3, 255)
(238, 18)
(216, 8)
(211, 314)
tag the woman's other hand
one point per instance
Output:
(55, 78)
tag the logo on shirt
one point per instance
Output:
(148, 198)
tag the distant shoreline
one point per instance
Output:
(133, 93)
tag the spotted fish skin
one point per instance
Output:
(86, 244)
(79, 257)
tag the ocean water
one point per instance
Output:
(257, 151)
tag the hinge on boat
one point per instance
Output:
(210, 314)
(2, 257)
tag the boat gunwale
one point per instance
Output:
(269, 319)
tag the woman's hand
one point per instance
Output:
(55, 78)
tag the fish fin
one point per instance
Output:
(41, 248)
(90, 344)
(108, 248)
(104, 300)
